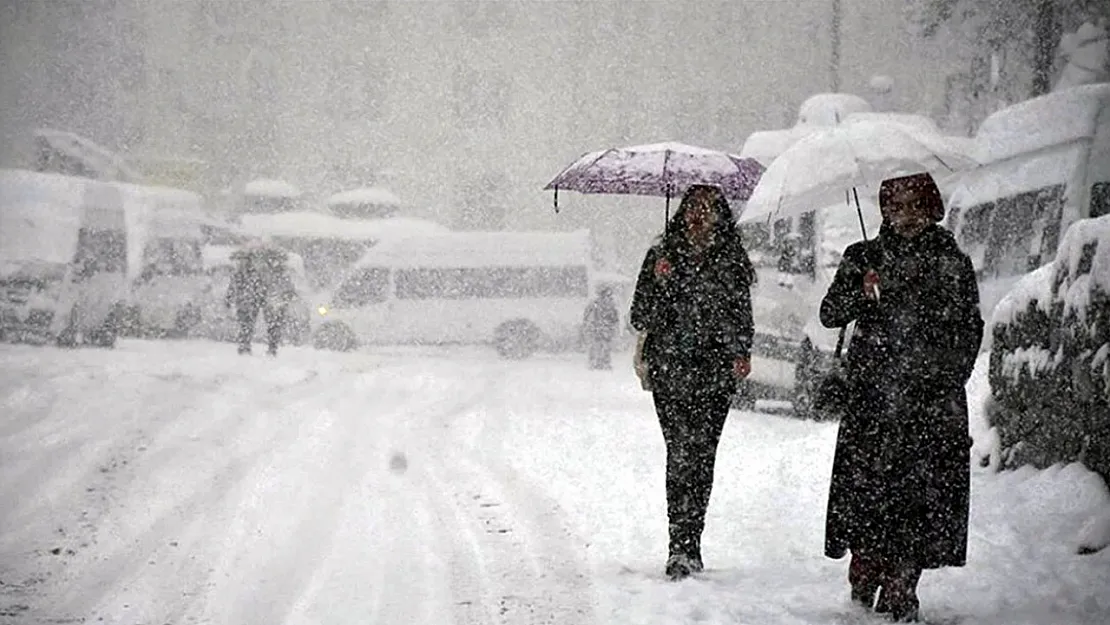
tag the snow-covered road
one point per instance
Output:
(177, 483)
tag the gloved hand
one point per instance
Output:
(871, 285)
(741, 367)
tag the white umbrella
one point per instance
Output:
(821, 168)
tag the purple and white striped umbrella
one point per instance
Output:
(660, 169)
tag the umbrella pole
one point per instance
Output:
(859, 213)
(556, 199)
(667, 211)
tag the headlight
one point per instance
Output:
(323, 310)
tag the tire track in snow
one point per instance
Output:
(212, 479)
(510, 543)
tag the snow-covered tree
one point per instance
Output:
(1026, 34)
(1086, 55)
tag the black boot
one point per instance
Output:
(899, 594)
(865, 576)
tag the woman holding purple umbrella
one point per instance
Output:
(693, 303)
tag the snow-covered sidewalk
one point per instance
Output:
(177, 483)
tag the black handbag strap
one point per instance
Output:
(840, 342)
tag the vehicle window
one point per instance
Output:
(1018, 228)
(172, 257)
(325, 260)
(366, 286)
(973, 230)
(1100, 199)
(493, 283)
(100, 251)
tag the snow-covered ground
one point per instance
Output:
(177, 483)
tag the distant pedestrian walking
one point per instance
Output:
(599, 327)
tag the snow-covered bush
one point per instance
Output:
(1050, 357)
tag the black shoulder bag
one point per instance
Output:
(835, 393)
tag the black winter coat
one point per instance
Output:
(901, 475)
(696, 311)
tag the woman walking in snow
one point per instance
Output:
(899, 494)
(692, 304)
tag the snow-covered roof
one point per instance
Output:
(318, 225)
(367, 195)
(1008, 178)
(1052, 119)
(483, 249)
(829, 109)
(269, 187)
(765, 145)
(106, 164)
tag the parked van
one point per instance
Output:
(1045, 164)
(519, 291)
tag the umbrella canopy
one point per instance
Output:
(659, 169)
(822, 167)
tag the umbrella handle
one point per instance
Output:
(556, 199)
(859, 213)
(667, 211)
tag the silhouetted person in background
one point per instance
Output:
(261, 283)
(599, 326)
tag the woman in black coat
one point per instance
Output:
(899, 494)
(692, 304)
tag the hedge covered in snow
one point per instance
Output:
(1050, 357)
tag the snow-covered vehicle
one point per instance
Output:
(99, 259)
(518, 291)
(1045, 164)
(795, 262)
(166, 226)
(1050, 357)
(219, 323)
(61, 259)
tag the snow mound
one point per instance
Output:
(1095, 535)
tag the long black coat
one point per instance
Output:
(901, 476)
(697, 313)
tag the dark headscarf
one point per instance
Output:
(922, 184)
(725, 233)
(724, 224)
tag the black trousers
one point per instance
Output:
(692, 415)
(248, 316)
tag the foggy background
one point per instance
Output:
(465, 109)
